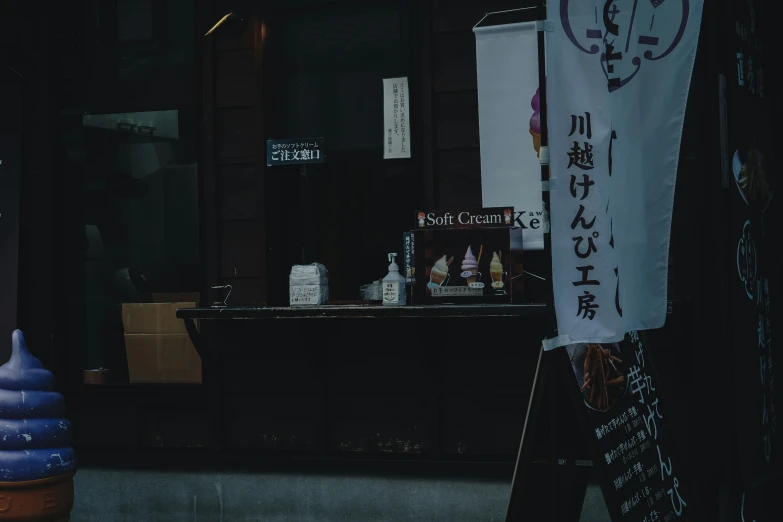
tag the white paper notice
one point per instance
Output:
(396, 120)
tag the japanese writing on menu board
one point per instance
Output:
(751, 160)
(627, 422)
(643, 388)
(750, 72)
(757, 290)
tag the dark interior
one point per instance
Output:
(185, 210)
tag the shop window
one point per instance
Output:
(140, 55)
(141, 222)
(129, 130)
(324, 76)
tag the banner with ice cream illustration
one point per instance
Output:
(617, 86)
(509, 124)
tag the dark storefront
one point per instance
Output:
(144, 171)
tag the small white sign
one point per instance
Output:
(392, 292)
(396, 119)
(304, 295)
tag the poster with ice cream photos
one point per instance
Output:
(464, 265)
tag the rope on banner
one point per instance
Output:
(506, 11)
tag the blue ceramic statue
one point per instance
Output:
(34, 436)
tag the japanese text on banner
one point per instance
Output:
(614, 145)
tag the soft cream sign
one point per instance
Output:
(468, 218)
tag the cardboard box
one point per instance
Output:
(153, 318)
(162, 358)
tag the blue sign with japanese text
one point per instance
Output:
(294, 151)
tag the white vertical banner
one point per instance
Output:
(396, 119)
(617, 85)
(509, 124)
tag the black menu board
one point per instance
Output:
(627, 420)
(754, 215)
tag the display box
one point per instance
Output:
(469, 256)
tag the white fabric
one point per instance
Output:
(634, 204)
(507, 75)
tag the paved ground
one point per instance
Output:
(142, 496)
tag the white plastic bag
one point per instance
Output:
(308, 285)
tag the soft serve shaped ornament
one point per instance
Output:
(34, 435)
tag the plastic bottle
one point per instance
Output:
(393, 284)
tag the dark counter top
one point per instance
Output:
(365, 311)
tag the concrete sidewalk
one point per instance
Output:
(152, 496)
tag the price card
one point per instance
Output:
(457, 291)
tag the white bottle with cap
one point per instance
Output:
(393, 284)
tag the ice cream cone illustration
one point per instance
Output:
(535, 122)
(536, 141)
(470, 265)
(496, 270)
(440, 271)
